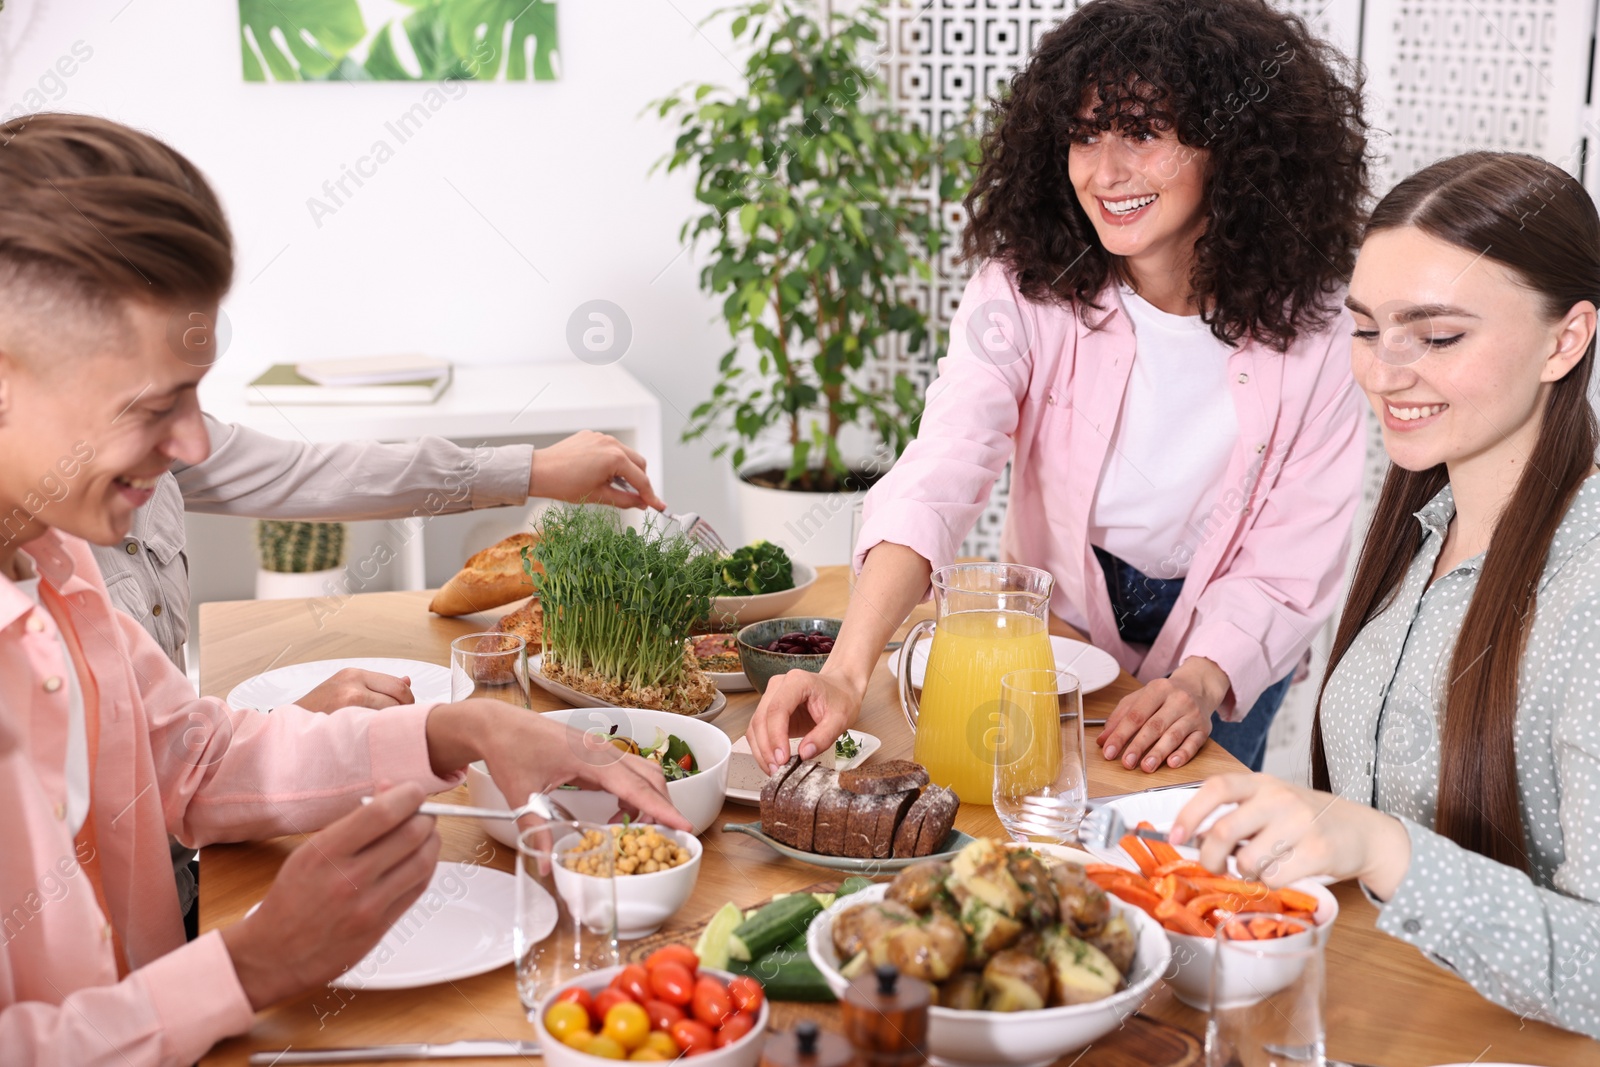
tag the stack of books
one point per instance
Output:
(365, 380)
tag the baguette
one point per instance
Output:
(489, 579)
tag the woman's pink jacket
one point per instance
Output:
(1042, 387)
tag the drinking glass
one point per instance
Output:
(1041, 776)
(492, 665)
(1266, 997)
(566, 923)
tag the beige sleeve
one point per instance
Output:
(253, 474)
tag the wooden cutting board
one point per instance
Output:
(1139, 1042)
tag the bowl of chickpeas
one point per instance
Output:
(654, 867)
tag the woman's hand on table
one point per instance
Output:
(1168, 720)
(335, 897)
(815, 706)
(356, 688)
(529, 753)
(1280, 833)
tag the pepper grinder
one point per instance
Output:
(886, 1018)
(808, 1046)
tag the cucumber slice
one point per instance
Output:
(778, 922)
(712, 948)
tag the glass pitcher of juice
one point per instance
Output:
(990, 619)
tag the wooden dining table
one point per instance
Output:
(1386, 1004)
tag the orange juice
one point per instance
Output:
(959, 716)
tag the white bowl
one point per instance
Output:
(745, 1052)
(743, 610)
(1013, 1039)
(1193, 958)
(644, 901)
(698, 797)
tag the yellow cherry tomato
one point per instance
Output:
(661, 1041)
(627, 1024)
(606, 1048)
(646, 1054)
(565, 1018)
(578, 1039)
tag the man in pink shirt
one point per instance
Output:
(108, 238)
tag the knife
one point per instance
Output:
(1096, 802)
(419, 1051)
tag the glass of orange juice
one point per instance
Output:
(990, 619)
(1041, 774)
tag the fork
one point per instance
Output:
(538, 804)
(698, 530)
(1105, 827)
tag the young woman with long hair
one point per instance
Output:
(1168, 205)
(1456, 750)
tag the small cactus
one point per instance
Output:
(299, 547)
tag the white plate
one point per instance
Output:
(284, 685)
(460, 926)
(576, 699)
(730, 681)
(745, 776)
(1095, 669)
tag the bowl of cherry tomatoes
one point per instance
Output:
(652, 1012)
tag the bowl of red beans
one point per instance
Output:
(777, 646)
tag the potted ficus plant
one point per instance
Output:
(298, 559)
(804, 171)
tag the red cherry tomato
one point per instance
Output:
(712, 1004)
(672, 983)
(692, 1037)
(747, 993)
(734, 1027)
(608, 998)
(633, 980)
(663, 1015)
(680, 954)
(582, 999)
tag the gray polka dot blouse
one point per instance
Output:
(1530, 943)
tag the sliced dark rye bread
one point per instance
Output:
(885, 779)
(805, 799)
(938, 819)
(833, 818)
(891, 811)
(781, 819)
(769, 790)
(905, 835)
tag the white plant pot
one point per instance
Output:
(813, 528)
(273, 585)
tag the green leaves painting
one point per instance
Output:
(803, 174)
(329, 40)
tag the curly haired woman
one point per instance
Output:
(1168, 205)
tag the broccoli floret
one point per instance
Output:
(762, 567)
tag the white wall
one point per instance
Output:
(511, 206)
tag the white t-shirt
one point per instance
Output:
(77, 766)
(1170, 449)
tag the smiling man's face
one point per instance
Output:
(92, 417)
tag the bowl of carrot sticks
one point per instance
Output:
(1192, 904)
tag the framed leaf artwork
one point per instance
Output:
(398, 40)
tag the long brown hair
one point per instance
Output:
(1535, 219)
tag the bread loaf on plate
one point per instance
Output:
(489, 579)
(814, 809)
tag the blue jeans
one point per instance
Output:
(1141, 605)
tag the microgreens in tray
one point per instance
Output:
(618, 604)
